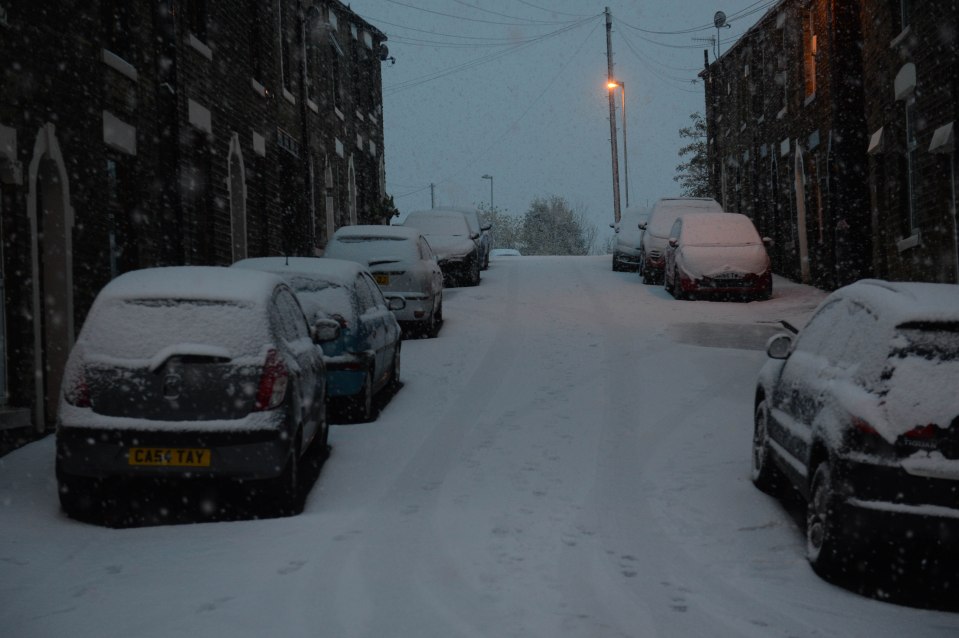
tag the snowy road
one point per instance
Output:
(569, 458)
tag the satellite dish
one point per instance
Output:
(384, 53)
(719, 19)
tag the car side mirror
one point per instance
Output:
(325, 330)
(486, 226)
(474, 236)
(768, 241)
(673, 242)
(779, 346)
(395, 303)
(642, 225)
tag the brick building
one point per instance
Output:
(794, 111)
(136, 133)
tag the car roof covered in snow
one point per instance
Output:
(336, 271)
(898, 302)
(710, 229)
(214, 283)
(444, 222)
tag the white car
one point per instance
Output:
(709, 254)
(628, 238)
(652, 247)
(403, 265)
(454, 242)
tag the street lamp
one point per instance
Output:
(490, 178)
(612, 87)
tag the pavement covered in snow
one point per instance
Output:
(570, 457)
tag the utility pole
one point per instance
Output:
(612, 116)
(432, 195)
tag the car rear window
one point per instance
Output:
(934, 341)
(720, 230)
(366, 249)
(140, 328)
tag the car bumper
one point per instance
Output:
(346, 374)
(109, 453)
(749, 284)
(887, 503)
(418, 307)
(631, 259)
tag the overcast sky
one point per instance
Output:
(482, 87)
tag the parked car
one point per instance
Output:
(483, 228)
(652, 246)
(403, 265)
(365, 356)
(859, 413)
(454, 243)
(627, 239)
(709, 254)
(189, 373)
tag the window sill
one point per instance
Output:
(312, 105)
(118, 64)
(896, 41)
(782, 113)
(288, 96)
(339, 113)
(810, 99)
(259, 88)
(742, 128)
(908, 242)
(762, 118)
(200, 46)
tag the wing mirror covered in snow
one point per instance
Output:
(673, 242)
(325, 330)
(768, 241)
(395, 303)
(642, 225)
(779, 346)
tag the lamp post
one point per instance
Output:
(612, 87)
(306, 17)
(490, 178)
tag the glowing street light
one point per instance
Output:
(612, 86)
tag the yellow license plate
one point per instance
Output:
(169, 457)
(382, 280)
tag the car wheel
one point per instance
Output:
(823, 534)
(395, 372)
(433, 323)
(764, 473)
(676, 290)
(617, 267)
(361, 406)
(283, 494)
(668, 285)
(475, 275)
(79, 496)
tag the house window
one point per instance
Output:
(912, 146)
(115, 26)
(810, 43)
(286, 60)
(196, 14)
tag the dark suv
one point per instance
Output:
(187, 373)
(860, 414)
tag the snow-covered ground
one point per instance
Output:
(569, 458)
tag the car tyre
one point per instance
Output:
(617, 266)
(475, 272)
(823, 533)
(283, 493)
(395, 371)
(676, 290)
(360, 407)
(764, 473)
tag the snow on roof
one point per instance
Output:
(337, 271)
(369, 230)
(191, 282)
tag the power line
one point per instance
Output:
(530, 4)
(456, 17)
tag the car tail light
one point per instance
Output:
(273, 382)
(78, 392)
(864, 426)
(922, 432)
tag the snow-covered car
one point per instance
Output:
(859, 413)
(403, 265)
(652, 245)
(627, 239)
(454, 243)
(364, 358)
(483, 228)
(709, 254)
(188, 373)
